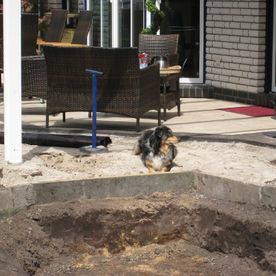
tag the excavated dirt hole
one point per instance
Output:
(81, 236)
(119, 230)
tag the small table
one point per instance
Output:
(170, 98)
(41, 42)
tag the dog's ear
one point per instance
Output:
(159, 132)
(155, 140)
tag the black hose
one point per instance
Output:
(60, 140)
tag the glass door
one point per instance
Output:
(186, 19)
(116, 23)
(137, 21)
(101, 31)
(124, 23)
(131, 21)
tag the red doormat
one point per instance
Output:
(253, 111)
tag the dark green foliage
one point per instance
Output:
(157, 17)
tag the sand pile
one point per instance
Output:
(237, 161)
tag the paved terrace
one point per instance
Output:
(200, 119)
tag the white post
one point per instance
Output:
(90, 34)
(148, 18)
(158, 2)
(131, 22)
(12, 81)
(101, 24)
(115, 24)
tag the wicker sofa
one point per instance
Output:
(123, 89)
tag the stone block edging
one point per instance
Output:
(15, 198)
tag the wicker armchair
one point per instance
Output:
(34, 79)
(29, 30)
(57, 24)
(164, 45)
(83, 27)
(160, 45)
(34, 82)
(123, 89)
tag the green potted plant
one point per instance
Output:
(43, 24)
(157, 17)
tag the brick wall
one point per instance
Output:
(235, 44)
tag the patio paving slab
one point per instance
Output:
(200, 119)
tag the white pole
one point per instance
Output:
(12, 81)
(148, 18)
(90, 34)
(158, 2)
(101, 24)
(131, 22)
(115, 24)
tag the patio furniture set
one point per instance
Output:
(58, 75)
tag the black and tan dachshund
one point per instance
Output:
(157, 149)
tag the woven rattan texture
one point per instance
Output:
(163, 45)
(34, 79)
(83, 27)
(123, 89)
(160, 45)
(56, 26)
(29, 33)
